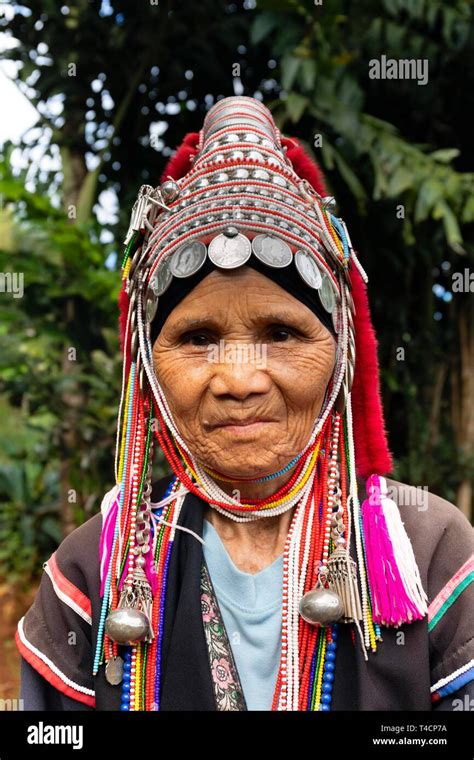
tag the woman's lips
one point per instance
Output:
(243, 427)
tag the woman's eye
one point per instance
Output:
(197, 339)
(280, 334)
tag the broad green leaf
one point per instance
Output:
(289, 69)
(295, 106)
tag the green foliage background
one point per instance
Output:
(116, 68)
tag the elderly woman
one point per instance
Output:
(264, 573)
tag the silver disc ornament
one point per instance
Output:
(308, 269)
(161, 279)
(188, 259)
(114, 671)
(321, 606)
(326, 294)
(272, 250)
(229, 252)
(151, 306)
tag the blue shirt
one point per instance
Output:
(251, 606)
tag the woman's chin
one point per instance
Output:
(240, 464)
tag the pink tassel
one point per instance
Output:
(391, 602)
(107, 539)
(150, 571)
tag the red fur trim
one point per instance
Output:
(372, 453)
(180, 163)
(304, 165)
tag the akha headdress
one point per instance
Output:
(239, 193)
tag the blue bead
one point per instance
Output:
(326, 699)
(329, 666)
(326, 687)
(331, 647)
(330, 656)
(126, 678)
(325, 708)
(328, 677)
(127, 667)
(124, 708)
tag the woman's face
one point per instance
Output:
(244, 366)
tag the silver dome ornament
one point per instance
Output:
(169, 190)
(321, 606)
(127, 625)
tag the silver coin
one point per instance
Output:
(229, 252)
(308, 269)
(114, 671)
(161, 279)
(272, 251)
(188, 259)
(151, 306)
(326, 294)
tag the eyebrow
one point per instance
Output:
(277, 317)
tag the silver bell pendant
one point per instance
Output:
(130, 622)
(321, 606)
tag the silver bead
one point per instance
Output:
(261, 174)
(169, 190)
(321, 606)
(329, 203)
(127, 625)
(241, 174)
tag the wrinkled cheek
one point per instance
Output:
(183, 390)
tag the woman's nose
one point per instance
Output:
(239, 370)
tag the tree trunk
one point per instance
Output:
(463, 404)
(72, 396)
